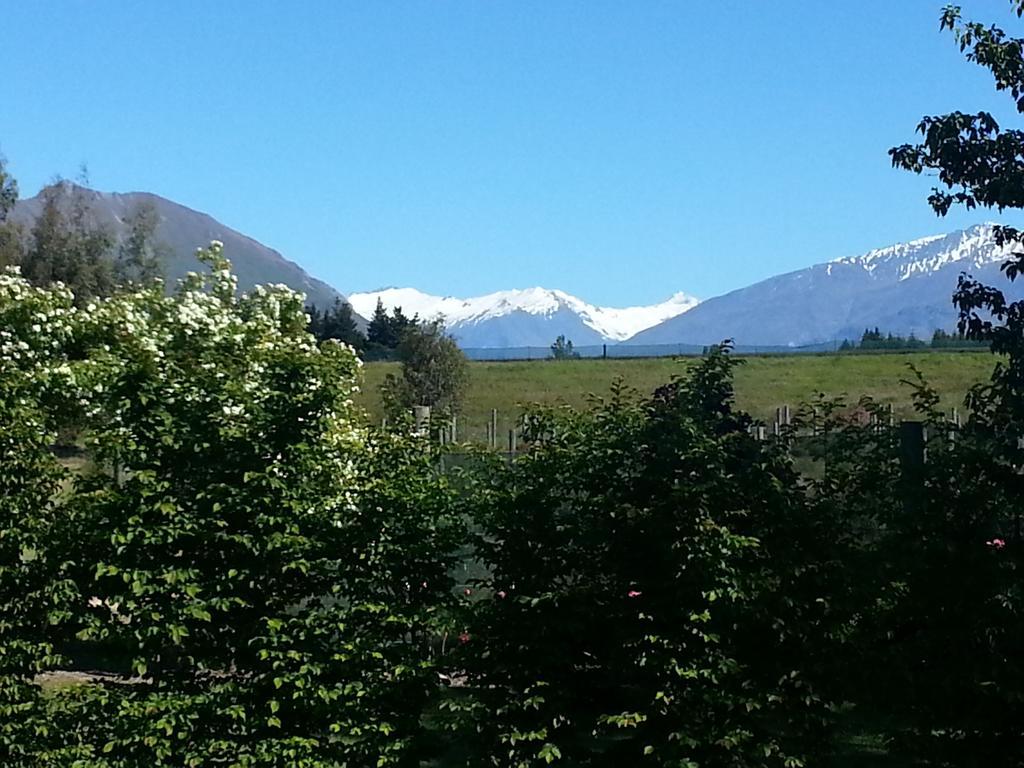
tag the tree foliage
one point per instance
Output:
(10, 233)
(385, 332)
(139, 254)
(268, 571)
(66, 247)
(8, 191)
(612, 626)
(563, 349)
(65, 244)
(336, 322)
(434, 371)
(962, 600)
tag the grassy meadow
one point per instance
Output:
(762, 383)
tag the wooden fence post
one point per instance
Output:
(421, 419)
(512, 442)
(494, 429)
(912, 460)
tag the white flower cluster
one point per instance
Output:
(36, 325)
(205, 353)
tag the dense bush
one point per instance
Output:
(32, 592)
(624, 588)
(269, 571)
(265, 582)
(921, 573)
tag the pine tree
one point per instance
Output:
(340, 323)
(400, 323)
(379, 331)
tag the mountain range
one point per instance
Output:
(533, 317)
(902, 289)
(181, 230)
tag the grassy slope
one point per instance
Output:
(762, 383)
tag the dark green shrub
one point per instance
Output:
(623, 580)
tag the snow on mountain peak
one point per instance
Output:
(610, 323)
(972, 247)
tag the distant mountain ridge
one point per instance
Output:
(522, 318)
(904, 289)
(183, 230)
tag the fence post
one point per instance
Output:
(421, 419)
(912, 460)
(512, 442)
(494, 429)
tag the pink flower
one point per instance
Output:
(996, 543)
(501, 594)
(633, 593)
(424, 585)
(467, 591)
(464, 637)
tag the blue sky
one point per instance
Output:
(621, 151)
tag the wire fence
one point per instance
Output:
(623, 351)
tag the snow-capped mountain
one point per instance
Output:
(524, 318)
(902, 289)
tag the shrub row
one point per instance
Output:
(248, 577)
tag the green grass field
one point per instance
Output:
(762, 383)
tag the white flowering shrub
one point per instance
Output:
(34, 330)
(264, 571)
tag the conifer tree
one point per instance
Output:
(400, 323)
(379, 331)
(340, 323)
